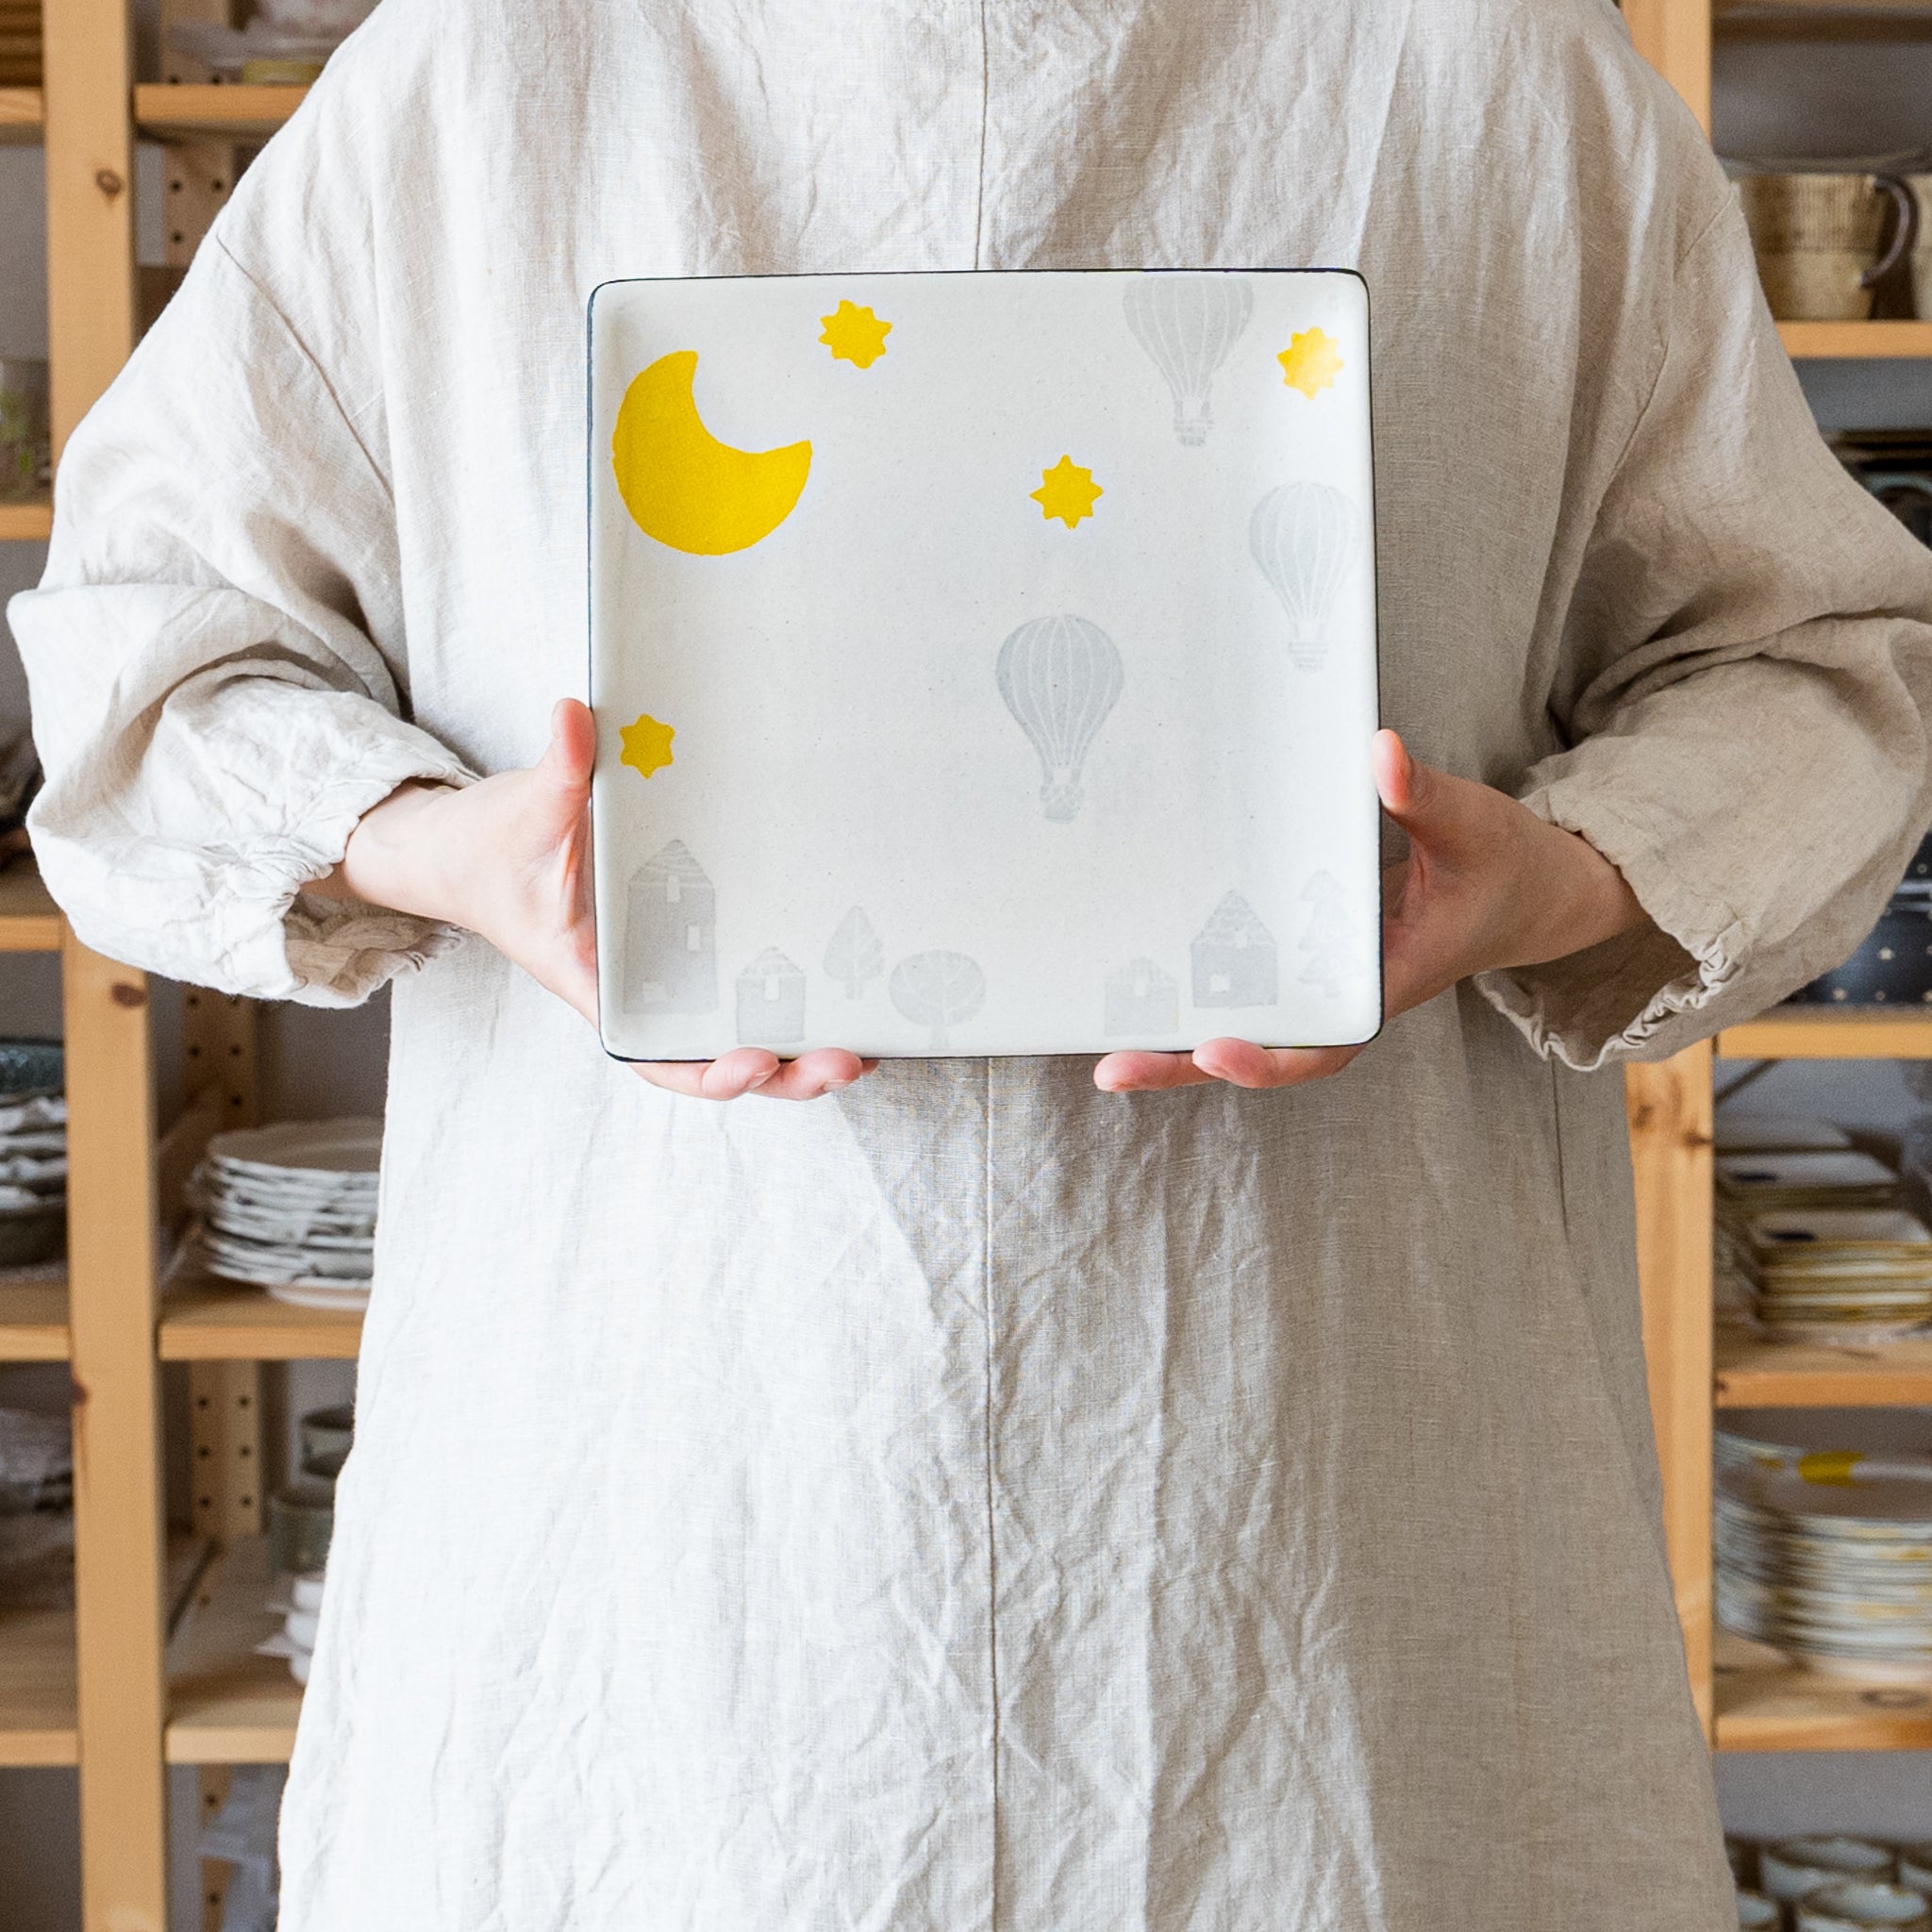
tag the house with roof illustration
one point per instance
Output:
(771, 1001)
(1141, 998)
(670, 936)
(1234, 958)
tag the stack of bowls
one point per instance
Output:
(33, 1152)
(1846, 1276)
(1829, 1882)
(1833, 1566)
(292, 1209)
(1841, 1177)
(1858, 1905)
(301, 1524)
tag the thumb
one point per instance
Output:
(573, 749)
(1409, 791)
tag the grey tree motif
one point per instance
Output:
(670, 936)
(1187, 324)
(1141, 998)
(854, 956)
(1061, 676)
(1307, 538)
(1329, 939)
(937, 989)
(771, 1001)
(1234, 958)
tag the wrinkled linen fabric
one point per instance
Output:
(975, 1501)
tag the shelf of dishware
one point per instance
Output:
(30, 521)
(1766, 1702)
(1828, 1033)
(22, 116)
(226, 1705)
(209, 1321)
(1823, 20)
(1752, 1373)
(179, 110)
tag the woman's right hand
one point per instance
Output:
(509, 859)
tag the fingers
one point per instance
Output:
(1238, 1062)
(752, 1070)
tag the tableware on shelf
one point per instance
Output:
(36, 1461)
(327, 1435)
(301, 1519)
(1833, 1178)
(1778, 1133)
(1742, 1855)
(26, 448)
(297, 1600)
(1920, 186)
(1826, 1858)
(291, 1208)
(33, 1152)
(1840, 1276)
(1756, 1911)
(286, 43)
(1915, 1866)
(1857, 1905)
(1836, 1570)
(1817, 238)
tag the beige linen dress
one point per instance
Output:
(975, 1503)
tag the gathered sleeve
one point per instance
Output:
(216, 664)
(1744, 699)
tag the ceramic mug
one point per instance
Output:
(1856, 1905)
(1795, 1867)
(1816, 238)
(1920, 186)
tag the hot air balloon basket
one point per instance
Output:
(984, 663)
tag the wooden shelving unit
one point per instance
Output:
(184, 112)
(22, 116)
(225, 1705)
(1789, 1375)
(31, 522)
(213, 1321)
(1810, 19)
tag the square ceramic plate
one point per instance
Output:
(983, 663)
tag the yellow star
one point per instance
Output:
(1067, 491)
(646, 746)
(855, 335)
(1312, 362)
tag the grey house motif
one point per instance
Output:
(771, 1001)
(670, 936)
(1234, 958)
(1328, 938)
(1141, 998)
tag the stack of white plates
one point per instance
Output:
(1836, 1572)
(292, 1209)
(1775, 1133)
(1840, 1274)
(297, 1601)
(1843, 1178)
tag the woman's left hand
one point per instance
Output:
(1487, 884)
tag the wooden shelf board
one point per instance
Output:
(33, 1321)
(225, 1705)
(31, 522)
(1821, 20)
(1765, 1703)
(37, 1688)
(175, 111)
(22, 116)
(1752, 1373)
(1828, 341)
(1830, 1033)
(29, 920)
(222, 1322)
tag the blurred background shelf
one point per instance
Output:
(22, 116)
(222, 1321)
(1765, 1703)
(37, 1688)
(181, 112)
(1826, 342)
(1821, 20)
(33, 1321)
(225, 1705)
(1792, 1374)
(31, 522)
(29, 920)
(1826, 1033)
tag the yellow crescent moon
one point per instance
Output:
(684, 487)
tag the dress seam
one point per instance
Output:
(992, 1649)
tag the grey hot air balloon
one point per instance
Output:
(1060, 676)
(1186, 324)
(1306, 538)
